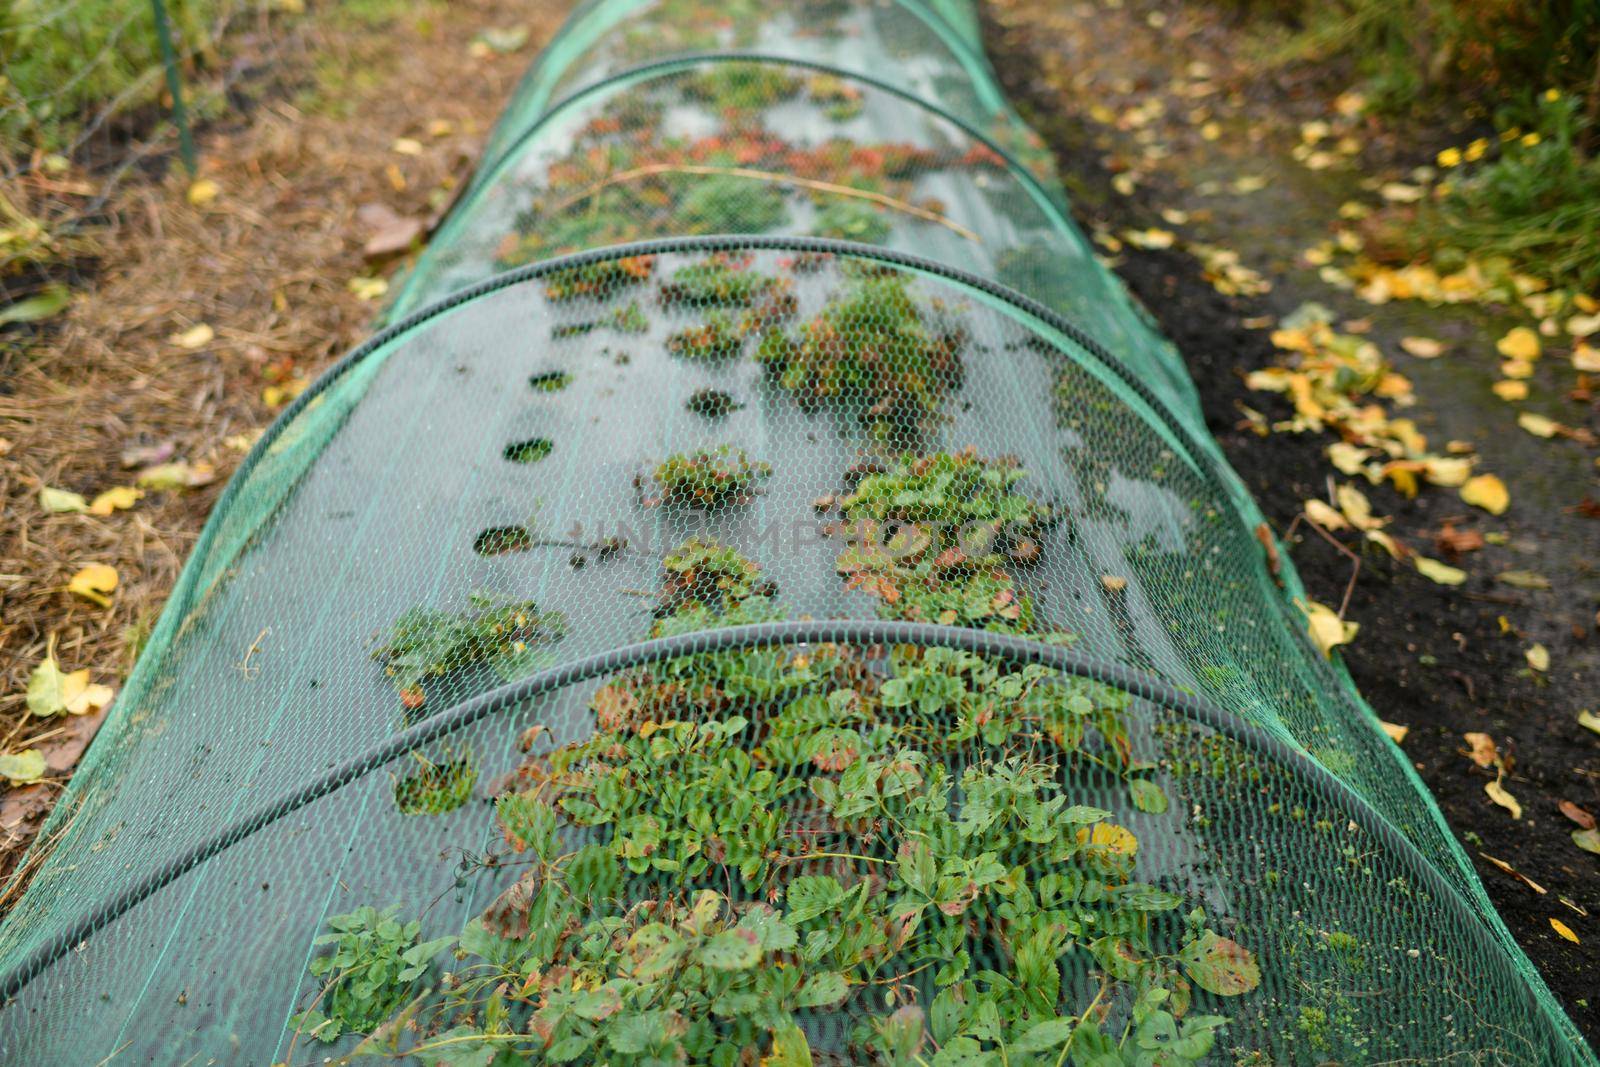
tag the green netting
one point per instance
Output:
(906, 43)
(769, 598)
(693, 147)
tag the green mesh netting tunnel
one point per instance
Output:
(768, 596)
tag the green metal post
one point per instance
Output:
(169, 59)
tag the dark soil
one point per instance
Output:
(1431, 657)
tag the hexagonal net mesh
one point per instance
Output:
(775, 602)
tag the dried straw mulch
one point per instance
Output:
(266, 265)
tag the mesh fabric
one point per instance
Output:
(768, 596)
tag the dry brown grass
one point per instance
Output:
(266, 265)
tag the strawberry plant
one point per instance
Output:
(707, 479)
(426, 648)
(530, 451)
(841, 101)
(691, 26)
(435, 788)
(711, 403)
(718, 337)
(697, 884)
(710, 575)
(727, 204)
(614, 223)
(629, 318)
(959, 492)
(723, 279)
(729, 88)
(876, 348)
(598, 279)
(550, 381)
(750, 838)
(931, 540)
(374, 968)
(852, 220)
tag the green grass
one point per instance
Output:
(66, 61)
(1537, 203)
(1530, 205)
(1420, 54)
(69, 63)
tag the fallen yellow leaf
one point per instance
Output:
(203, 191)
(275, 396)
(176, 476)
(1448, 472)
(1353, 502)
(1519, 343)
(1482, 749)
(1387, 543)
(95, 583)
(79, 696)
(1347, 457)
(1510, 390)
(1585, 358)
(1404, 477)
(1524, 579)
(52, 691)
(1324, 516)
(61, 500)
(1327, 630)
(46, 686)
(119, 498)
(1564, 930)
(1500, 796)
(1538, 425)
(368, 288)
(1538, 657)
(1442, 573)
(1423, 347)
(1400, 192)
(195, 336)
(1109, 836)
(1396, 732)
(1583, 325)
(1487, 492)
(22, 767)
(1151, 238)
